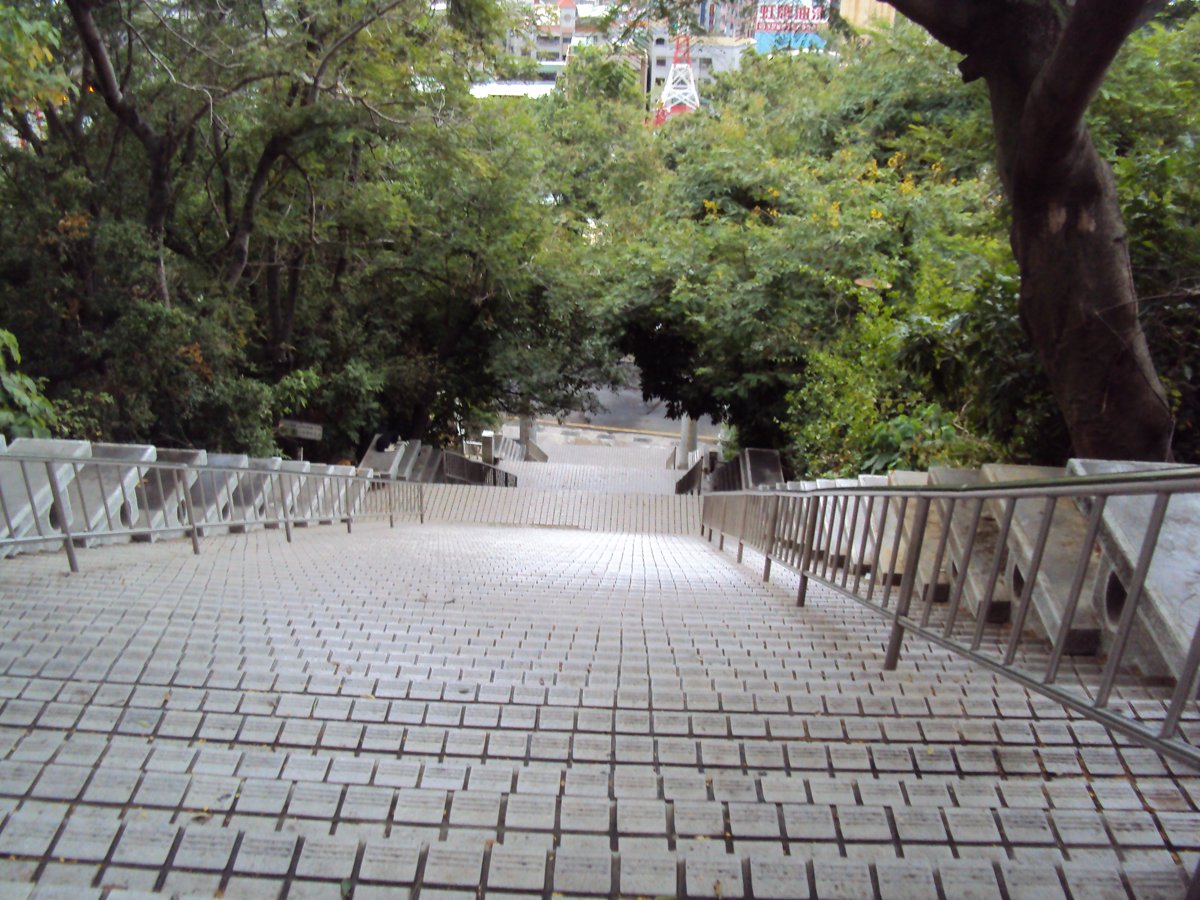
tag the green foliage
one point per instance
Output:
(84, 416)
(594, 74)
(24, 411)
(1146, 120)
(806, 242)
(928, 437)
(29, 77)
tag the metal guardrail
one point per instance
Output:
(52, 501)
(457, 469)
(870, 544)
(534, 453)
(752, 468)
(692, 481)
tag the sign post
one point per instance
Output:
(301, 431)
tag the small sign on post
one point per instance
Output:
(304, 431)
(301, 431)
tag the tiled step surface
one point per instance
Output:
(609, 479)
(624, 454)
(586, 510)
(448, 711)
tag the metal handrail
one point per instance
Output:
(692, 481)
(458, 469)
(50, 500)
(887, 547)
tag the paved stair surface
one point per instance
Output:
(456, 710)
(586, 510)
(551, 476)
(624, 454)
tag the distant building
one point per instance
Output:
(861, 13)
(710, 55)
(552, 28)
(550, 31)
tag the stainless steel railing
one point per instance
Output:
(457, 469)
(692, 481)
(48, 501)
(934, 561)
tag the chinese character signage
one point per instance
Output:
(790, 26)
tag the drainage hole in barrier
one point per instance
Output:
(1115, 596)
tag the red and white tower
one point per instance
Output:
(679, 94)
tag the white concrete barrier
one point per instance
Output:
(1170, 608)
(104, 494)
(29, 507)
(213, 492)
(162, 507)
(254, 497)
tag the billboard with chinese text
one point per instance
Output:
(790, 26)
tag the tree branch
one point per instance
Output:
(20, 123)
(106, 77)
(948, 22)
(239, 243)
(1063, 90)
(312, 197)
(315, 87)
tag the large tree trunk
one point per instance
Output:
(1079, 308)
(1077, 304)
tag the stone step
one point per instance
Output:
(611, 479)
(585, 510)
(622, 456)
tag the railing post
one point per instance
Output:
(769, 537)
(283, 504)
(63, 519)
(909, 579)
(421, 503)
(810, 531)
(193, 528)
(745, 501)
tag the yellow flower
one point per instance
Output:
(876, 214)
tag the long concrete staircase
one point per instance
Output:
(551, 690)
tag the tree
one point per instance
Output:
(805, 219)
(1043, 62)
(239, 210)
